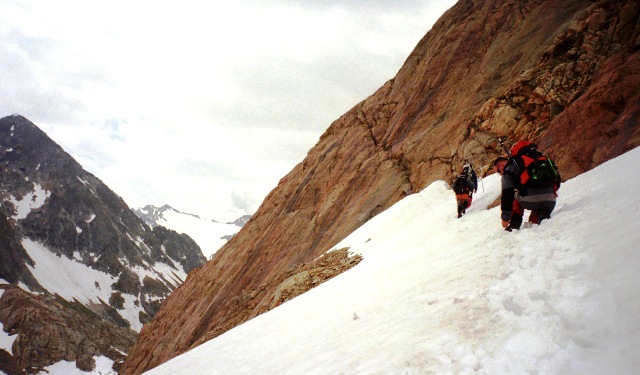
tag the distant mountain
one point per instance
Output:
(208, 233)
(64, 234)
(241, 221)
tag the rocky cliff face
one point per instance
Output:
(64, 233)
(562, 73)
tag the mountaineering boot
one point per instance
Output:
(537, 217)
(514, 223)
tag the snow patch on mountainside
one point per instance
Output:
(73, 280)
(67, 278)
(30, 201)
(103, 367)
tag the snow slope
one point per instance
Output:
(440, 295)
(73, 280)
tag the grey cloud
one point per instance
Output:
(205, 168)
(288, 94)
(243, 202)
(113, 124)
(286, 99)
(38, 84)
(360, 6)
(35, 49)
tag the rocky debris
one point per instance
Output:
(51, 329)
(562, 73)
(309, 275)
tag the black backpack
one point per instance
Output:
(461, 184)
(537, 171)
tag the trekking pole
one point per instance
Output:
(504, 147)
(509, 153)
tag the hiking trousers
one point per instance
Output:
(540, 207)
(463, 201)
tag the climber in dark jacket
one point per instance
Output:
(472, 176)
(517, 192)
(463, 188)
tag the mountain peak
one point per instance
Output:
(241, 221)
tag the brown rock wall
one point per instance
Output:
(487, 69)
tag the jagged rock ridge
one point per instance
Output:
(562, 73)
(150, 214)
(55, 213)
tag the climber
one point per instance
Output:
(472, 176)
(463, 188)
(529, 181)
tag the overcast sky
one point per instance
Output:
(200, 105)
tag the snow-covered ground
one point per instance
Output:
(440, 295)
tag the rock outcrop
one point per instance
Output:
(50, 329)
(562, 73)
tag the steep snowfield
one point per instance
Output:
(74, 280)
(436, 294)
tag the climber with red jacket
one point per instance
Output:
(529, 181)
